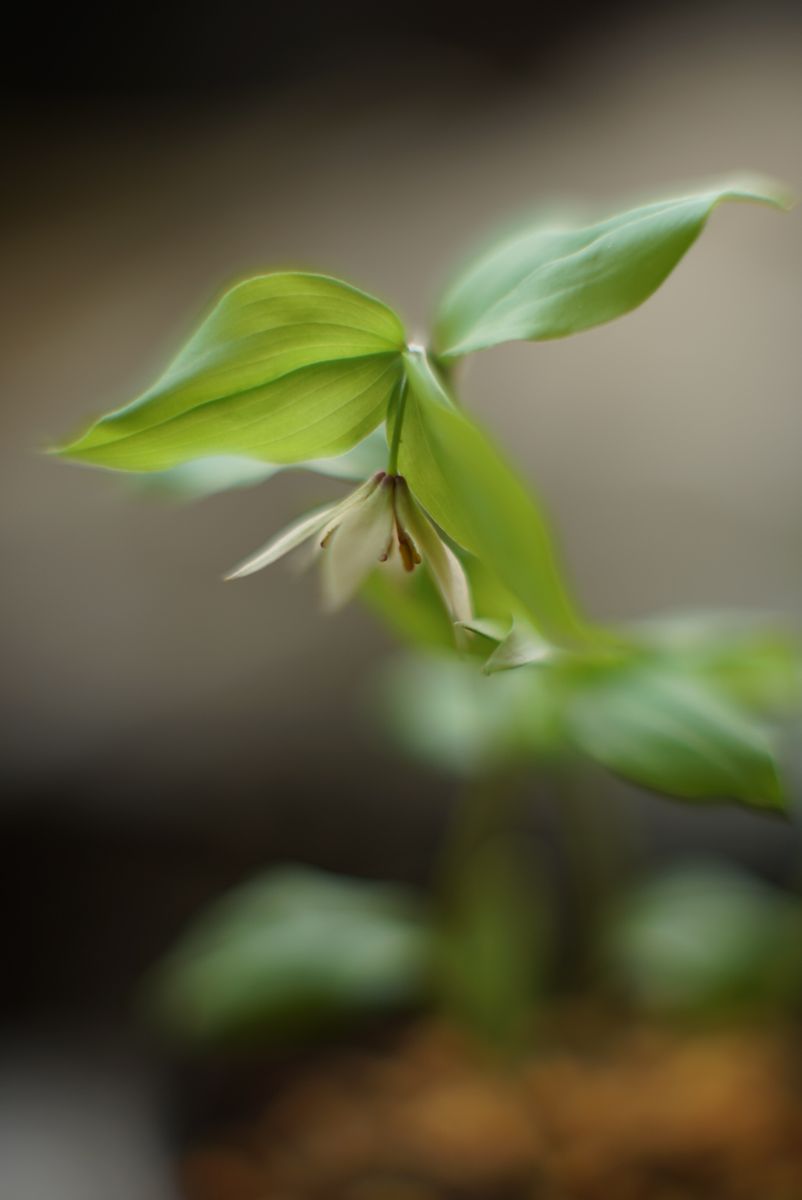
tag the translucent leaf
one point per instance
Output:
(551, 281)
(673, 732)
(285, 955)
(466, 486)
(287, 368)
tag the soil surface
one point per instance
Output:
(642, 1113)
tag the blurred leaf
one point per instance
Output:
(444, 712)
(756, 664)
(469, 490)
(672, 732)
(287, 367)
(707, 937)
(411, 607)
(549, 282)
(206, 476)
(290, 953)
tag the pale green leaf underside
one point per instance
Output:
(470, 491)
(676, 735)
(549, 282)
(287, 367)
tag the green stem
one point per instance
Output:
(490, 927)
(397, 407)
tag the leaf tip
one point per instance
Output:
(762, 189)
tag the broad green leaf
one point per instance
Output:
(706, 937)
(287, 367)
(284, 956)
(208, 476)
(673, 732)
(469, 490)
(551, 281)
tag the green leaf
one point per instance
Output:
(220, 473)
(468, 489)
(286, 368)
(549, 281)
(411, 607)
(749, 657)
(705, 937)
(673, 732)
(288, 954)
(445, 713)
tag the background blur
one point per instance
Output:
(163, 735)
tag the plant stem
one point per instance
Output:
(397, 407)
(490, 926)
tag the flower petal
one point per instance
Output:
(351, 500)
(446, 569)
(358, 544)
(287, 540)
(322, 520)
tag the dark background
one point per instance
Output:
(163, 736)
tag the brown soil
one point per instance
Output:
(642, 1114)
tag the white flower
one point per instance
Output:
(379, 523)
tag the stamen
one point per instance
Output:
(408, 551)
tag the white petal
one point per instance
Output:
(357, 546)
(444, 565)
(320, 520)
(287, 540)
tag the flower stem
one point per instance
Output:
(397, 406)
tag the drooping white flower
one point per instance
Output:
(379, 523)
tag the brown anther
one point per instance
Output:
(408, 551)
(324, 543)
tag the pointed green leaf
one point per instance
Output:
(675, 733)
(550, 281)
(466, 486)
(287, 367)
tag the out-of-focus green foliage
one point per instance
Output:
(287, 368)
(292, 953)
(221, 473)
(445, 713)
(674, 732)
(493, 945)
(551, 281)
(706, 938)
(690, 724)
